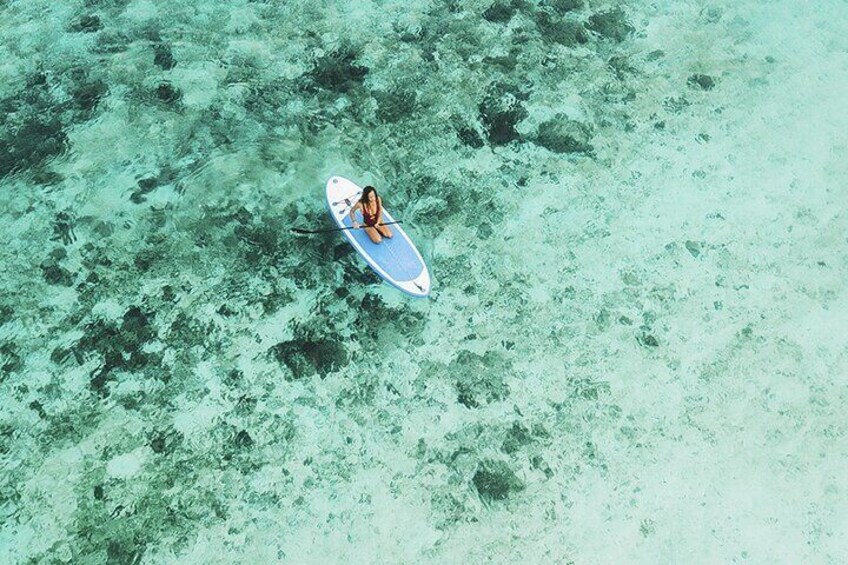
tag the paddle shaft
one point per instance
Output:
(298, 230)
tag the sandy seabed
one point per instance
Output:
(634, 215)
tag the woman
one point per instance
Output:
(371, 206)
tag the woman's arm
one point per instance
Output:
(353, 221)
(379, 210)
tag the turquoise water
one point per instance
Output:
(634, 216)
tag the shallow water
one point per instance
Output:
(635, 219)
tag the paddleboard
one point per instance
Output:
(396, 260)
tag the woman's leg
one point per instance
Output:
(373, 234)
(386, 232)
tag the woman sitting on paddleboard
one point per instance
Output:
(371, 206)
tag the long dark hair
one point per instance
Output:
(365, 192)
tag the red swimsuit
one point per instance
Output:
(370, 219)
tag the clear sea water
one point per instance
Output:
(634, 214)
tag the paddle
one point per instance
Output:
(298, 230)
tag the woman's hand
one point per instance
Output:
(355, 225)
